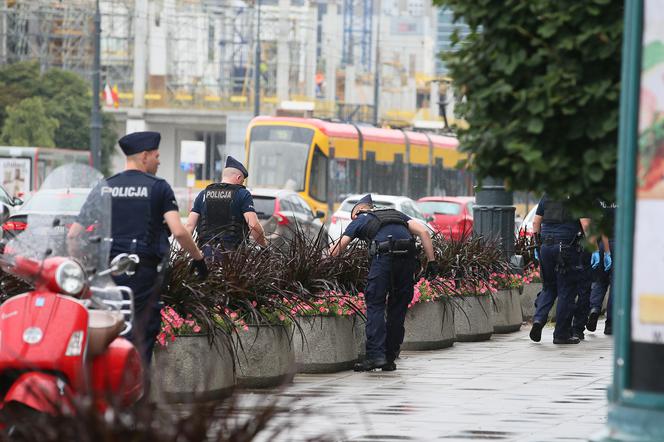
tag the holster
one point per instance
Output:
(394, 247)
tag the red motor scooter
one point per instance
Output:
(63, 339)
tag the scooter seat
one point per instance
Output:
(103, 327)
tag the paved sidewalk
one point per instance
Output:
(508, 389)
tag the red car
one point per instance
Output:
(452, 216)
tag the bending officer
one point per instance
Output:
(393, 262)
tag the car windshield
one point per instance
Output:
(440, 207)
(348, 205)
(264, 206)
(64, 201)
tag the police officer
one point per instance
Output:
(393, 264)
(603, 262)
(224, 214)
(558, 235)
(144, 209)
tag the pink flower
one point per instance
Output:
(197, 329)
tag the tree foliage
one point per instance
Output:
(66, 98)
(541, 81)
(27, 124)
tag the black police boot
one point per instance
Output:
(608, 328)
(581, 336)
(390, 366)
(536, 331)
(592, 320)
(370, 364)
(563, 341)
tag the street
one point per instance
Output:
(508, 389)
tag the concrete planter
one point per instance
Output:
(429, 326)
(360, 336)
(507, 316)
(473, 318)
(190, 369)
(326, 344)
(264, 356)
(528, 296)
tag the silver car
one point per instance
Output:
(283, 212)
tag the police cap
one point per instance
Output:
(137, 142)
(366, 199)
(235, 164)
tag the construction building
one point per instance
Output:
(187, 68)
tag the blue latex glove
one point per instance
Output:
(537, 254)
(594, 259)
(608, 262)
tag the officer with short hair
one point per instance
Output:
(558, 235)
(392, 267)
(144, 210)
(224, 214)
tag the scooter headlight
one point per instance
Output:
(70, 277)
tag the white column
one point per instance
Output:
(349, 89)
(331, 50)
(283, 57)
(310, 65)
(140, 51)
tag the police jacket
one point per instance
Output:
(138, 203)
(378, 225)
(221, 213)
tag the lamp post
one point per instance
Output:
(257, 66)
(95, 117)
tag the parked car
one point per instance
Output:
(341, 218)
(40, 208)
(281, 212)
(526, 226)
(452, 216)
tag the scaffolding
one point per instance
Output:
(54, 33)
(358, 31)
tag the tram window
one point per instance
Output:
(318, 179)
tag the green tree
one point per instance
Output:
(66, 98)
(541, 81)
(17, 81)
(27, 124)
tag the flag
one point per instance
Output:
(114, 95)
(108, 95)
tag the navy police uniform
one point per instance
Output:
(603, 278)
(139, 201)
(221, 208)
(392, 269)
(560, 259)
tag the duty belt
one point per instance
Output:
(398, 247)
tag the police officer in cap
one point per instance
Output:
(558, 235)
(224, 214)
(393, 264)
(144, 209)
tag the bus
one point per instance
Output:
(324, 161)
(23, 169)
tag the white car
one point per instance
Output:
(341, 218)
(527, 224)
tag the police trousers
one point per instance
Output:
(582, 309)
(390, 284)
(560, 279)
(146, 284)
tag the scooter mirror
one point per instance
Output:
(124, 264)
